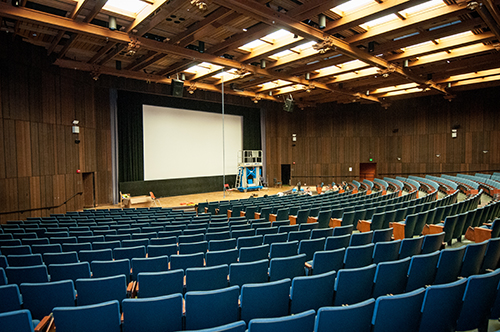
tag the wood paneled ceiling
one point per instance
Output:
(318, 51)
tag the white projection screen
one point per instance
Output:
(181, 143)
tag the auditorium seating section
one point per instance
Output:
(331, 262)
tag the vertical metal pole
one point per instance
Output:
(223, 143)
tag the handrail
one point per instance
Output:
(44, 208)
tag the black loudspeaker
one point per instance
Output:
(289, 104)
(177, 88)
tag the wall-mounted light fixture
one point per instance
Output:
(454, 133)
(75, 129)
(294, 137)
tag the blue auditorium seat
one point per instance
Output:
(206, 278)
(358, 256)
(102, 269)
(214, 258)
(96, 317)
(41, 298)
(152, 284)
(287, 267)
(393, 312)
(186, 261)
(441, 306)
(326, 261)
(449, 265)
(354, 285)
(153, 264)
(391, 277)
(97, 290)
(265, 300)
(19, 321)
(70, 271)
(208, 309)
(312, 292)
(156, 314)
(11, 298)
(248, 272)
(352, 318)
(18, 275)
(422, 270)
(299, 322)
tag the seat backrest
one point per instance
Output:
(129, 253)
(422, 270)
(41, 298)
(309, 247)
(186, 261)
(441, 306)
(449, 265)
(206, 278)
(149, 314)
(432, 242)
(226, 244)
(250, 254)
(214, 258)
(358, 256)
(248, 272)
(312, 292)
(97, 290)
(299, 235)
(207, 309)
(11, 298)
(328, 260)
(337, 241)
(303, 321)
(154, 284)
(408, 307)
(386, 251)
(354, 285)
(275, 238)
(353, 318)
(287, 267)
(111, 268)
(95, 255)
(391, 277)
(193, 247)
(105, 317)
(153, 264)
(473, 258)
(70, 271)
(358, 239)
(18, 275)
(321, 232)
(492, 255)
(15, 250)
(283, 249)
(18, 320)
(410, 247)
(162, 250)
(479, 297)
(249, 241)
(25, 260)
(265, 300)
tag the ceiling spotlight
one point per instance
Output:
(192, 88)
(472, 5)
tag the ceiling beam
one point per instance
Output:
(70, 64)
(164, 12)
(144, 14)
(217, 14)
(415, 21)
(368, 13)
(267, 50)
(442, 46)
(455, 53)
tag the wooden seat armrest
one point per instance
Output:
(335, 223)
(364, 226)
(256, 215)
(293, 220)
(308, 266)
(434, 229)
(272, 217)
(481, 234)
(311, 220)
(229, 212)
(45, 324)
(130, 288)
(242, 213)
(206, 209)
(398, 229)
(470, 234)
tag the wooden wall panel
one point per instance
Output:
(2, 149)
(23, 151)
(9, 132)
(416, 130)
